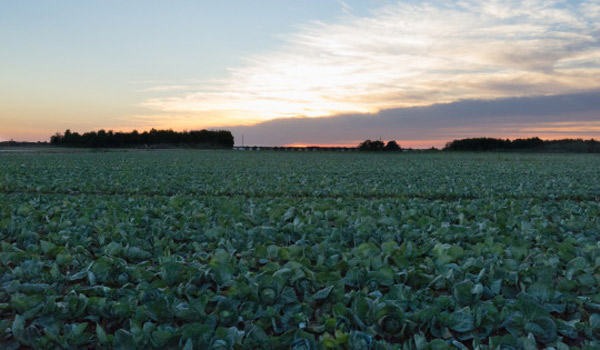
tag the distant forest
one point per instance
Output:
(370, 146)
(222, 139)
(524, 145)
(153, 139)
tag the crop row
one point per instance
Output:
(306, 174)
(190, 272)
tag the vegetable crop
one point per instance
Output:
(263, 250)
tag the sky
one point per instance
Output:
(311, 72)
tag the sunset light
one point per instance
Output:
(300, 174)
(334, 61)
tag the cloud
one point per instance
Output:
(346, 9)
(163, 88)
(571, 115)
(406, 55)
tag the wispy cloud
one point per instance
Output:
(407, 55)
(165, 88)
(346, 9)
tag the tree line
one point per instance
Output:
(534, 144)
(369, 145)
(152, 138)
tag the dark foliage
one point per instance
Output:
(153, 138)
(534, 144)
(392, 146)
(369, 145)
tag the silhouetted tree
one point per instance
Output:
(534, 144)
(365, 145)
(529, 144)
(478, 144)
(392, 146)
(369, 145)
(102, 138)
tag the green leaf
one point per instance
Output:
(78, 329)
(47, 247)
(18, 326)
(102, 338)
(123, 340)
(446, 253)
(389, 247)
(438, 344)
(367, 250)
(162, 336)
(323, 293)
(530, 309)
(587, 280)
(384, 276)
(543, 328)
(101, 269)
(595, 321)
(189, 345)
(575, 265)
(462, 293)
(529, 343)
(462, 321)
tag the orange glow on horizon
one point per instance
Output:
(545, 132)
(418, 144)
(304, 145)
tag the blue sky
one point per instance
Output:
(84, 61)
(120, 65)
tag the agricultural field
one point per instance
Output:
(178, 249)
